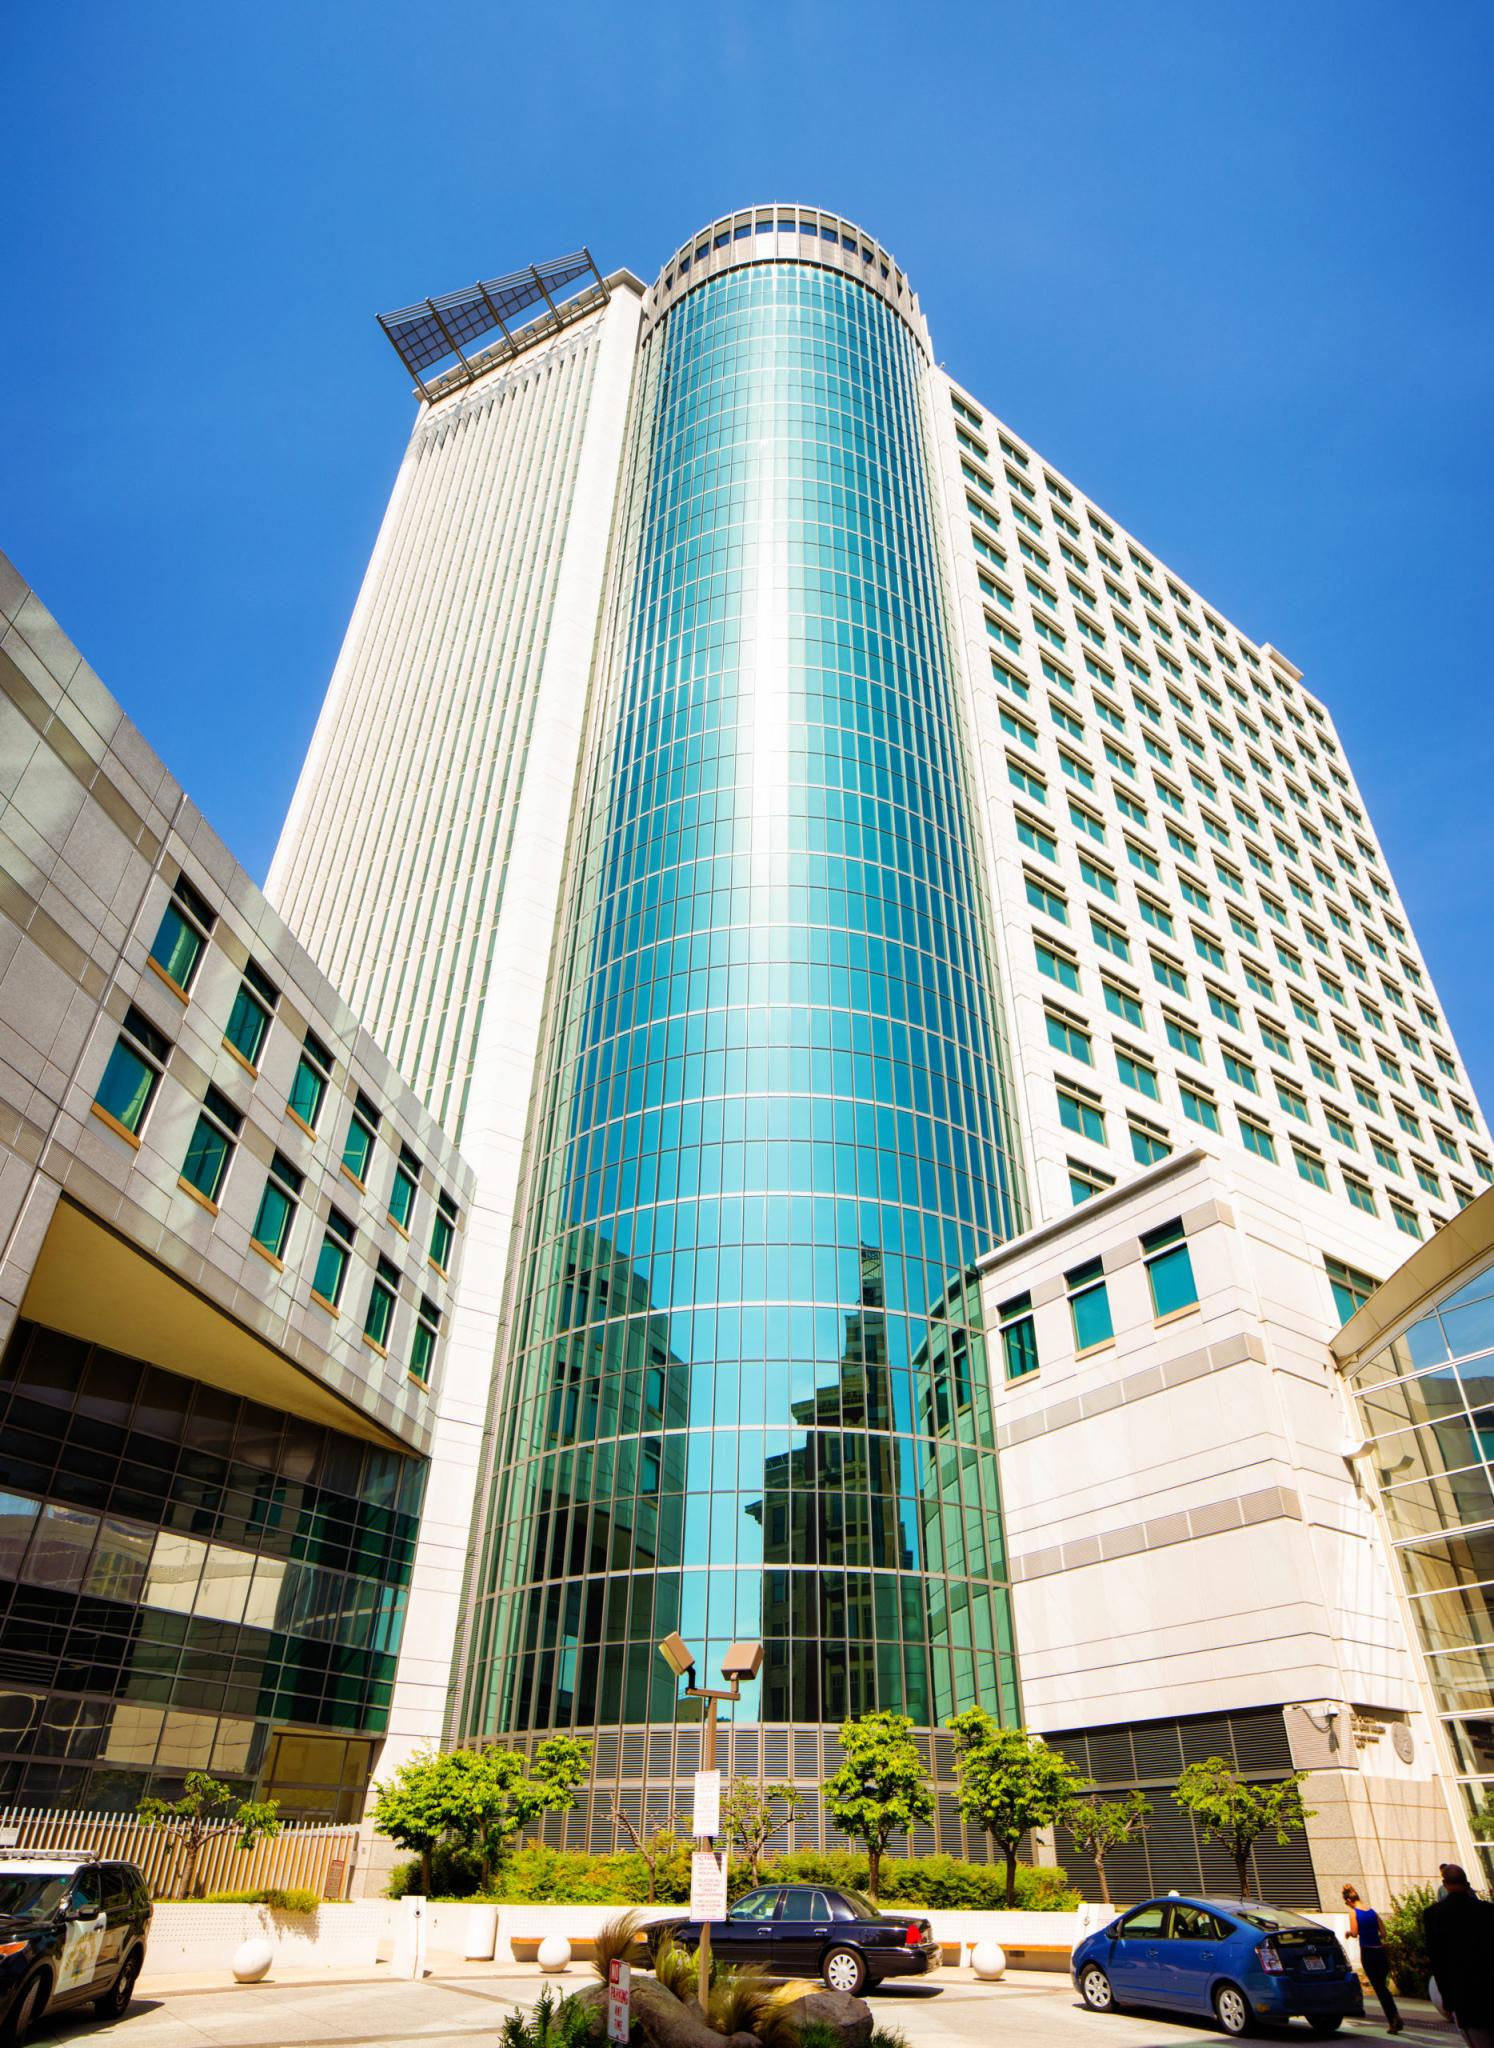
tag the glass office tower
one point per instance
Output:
(745, 1391)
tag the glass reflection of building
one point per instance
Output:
(772, 1129)
(1426, 1401)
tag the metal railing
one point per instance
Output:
(319, 1859)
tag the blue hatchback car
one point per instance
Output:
(1245, 1963)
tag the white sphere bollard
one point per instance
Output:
(554, 1955)
(988, 1960)
(252, 1960)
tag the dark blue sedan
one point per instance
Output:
(1246, 1963)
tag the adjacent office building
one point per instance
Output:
(881, 937)
(229, 1239)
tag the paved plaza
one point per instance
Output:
(305, 2010)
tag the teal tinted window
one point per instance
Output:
(1089, 1305)
(402, 1193)
(443, 1231)
(127, 1087)
(248, 1021)
(207, 1157)
(1018, 1338)
(309, 1088)
(332, 1260)
(178, 946)
(1169, 1269)
(381, 1298)
(272, 1223)
(422, 1350)
(358, 1150)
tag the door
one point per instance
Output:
(1190, 1957)
(119, 1917)
(1135, 1966)
(84, 1924)
(746, 1936)
(804, 1930)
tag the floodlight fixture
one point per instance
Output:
(678, 1655)
(742, 1661)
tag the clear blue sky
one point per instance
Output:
(1227, 264)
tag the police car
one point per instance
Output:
(73, 1930)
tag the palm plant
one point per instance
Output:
(616, 1941)
(675, 1968)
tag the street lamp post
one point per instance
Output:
(742, 1660)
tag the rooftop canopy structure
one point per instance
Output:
(438, 334)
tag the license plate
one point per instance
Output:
(1315, 1962)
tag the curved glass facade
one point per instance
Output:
(745, 1390)
(1426, 1401)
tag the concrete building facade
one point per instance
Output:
(229, 1241)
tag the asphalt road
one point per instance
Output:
(955, 2012)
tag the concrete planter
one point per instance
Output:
(185, 1936)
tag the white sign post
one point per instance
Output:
(706, 1816)
(707, 1885)
(619, 1999)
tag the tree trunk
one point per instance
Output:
(1011, 1876)
(651, 1882)
(1242, 1870)
(425, 1870)
(873, 1872)
(1100, 1877)
(189, 1876)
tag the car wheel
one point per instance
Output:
(844, 1970)
(1094, 1985)
(1232, 2009)
(115, 2002)
(26, 2011)
(1324, 2024)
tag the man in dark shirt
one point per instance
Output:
(1459, 1931)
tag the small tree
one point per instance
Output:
(1236, 1814)
(881, 1789)
(1099, 1825)
(206, 1810)
(411, 1808)
(1010, 1781)
(655, 1840)
(747, 1816)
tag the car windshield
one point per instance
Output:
(861, 1906)
(1273, 1918)
(30, 1894)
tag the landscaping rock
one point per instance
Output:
(664, 2020)
(849, 2018)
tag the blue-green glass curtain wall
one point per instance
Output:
(746, 1391)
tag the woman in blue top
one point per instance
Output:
(1373, 1958)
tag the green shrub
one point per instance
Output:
(455, 1874)
(230, 1899)
(295, 1899)
(551, 2022)
(1405, 1943)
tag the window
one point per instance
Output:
(358, 1149)
(1292, 1100)
(1034, 835)
(182, 937)
(1109, 938)
(1073, 767)
(1240, 1071)
(1278, 1041)
(1169, 1269)
(381, 1299)
(1351, 1288)
(1144, 861)
(1169, 976)
(423, 1349)
(1198, 1108)
(277, 1207)
(332, 1259)
(1085, 1181)
(1310, 1167)
(313, 1076)
(443, 1231)
(1256, 1138)
(249, 1019)
(1206, 949)
(1385, 1153)
(1089, 1306)
(1148, 1144)
(1049, 901)
(1137, 1073)
(218, 1126)
(1030, 784)
(1018, 1339)
(1339, 1130)
(1121, 1004)
(1086, 821)
(1182, 1037)
(1079, 1111)
(402, 1193)
(135, 1067)
(1222, 1007)
(1360, 1194)
(1405, 1219)
(1155, 915)
(1098, 878)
